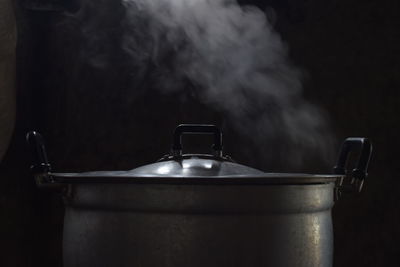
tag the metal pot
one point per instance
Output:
(200, 210)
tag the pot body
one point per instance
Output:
(181, 225)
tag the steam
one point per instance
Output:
(235, 62)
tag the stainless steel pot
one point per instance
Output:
(200, 210)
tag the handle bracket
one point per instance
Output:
(359, 173)
(41, 167)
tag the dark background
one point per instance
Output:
(350, 50)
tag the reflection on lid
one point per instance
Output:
(164, 169)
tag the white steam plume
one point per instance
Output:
(235, 62)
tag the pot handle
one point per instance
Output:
(41, 163)
(196, 129)
(359, 173)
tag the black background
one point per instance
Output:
(350, 50)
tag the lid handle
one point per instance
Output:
(359, 173)
(196, 129)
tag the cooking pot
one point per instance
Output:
(200, 210)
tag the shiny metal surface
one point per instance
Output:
(198, 210)
(195, 165)
(185, 166)
(193, 225)
(193, 169)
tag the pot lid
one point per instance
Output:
(200, 168)
(192, 169)
(194, 166)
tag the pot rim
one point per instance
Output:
(118, 177)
